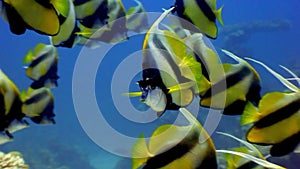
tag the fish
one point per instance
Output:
(66, 37)
(89, 9)
(201, 13)
(166, 64)
(206, 54)
(172, 146)
(237, 162)
(38, 105)
(10, 102)
(16, 125)
(105, 22)
(276, 118)
(37, 15)
(231, 92)
(136, 18)
(11, 116)
(42, 68)
(245, 157)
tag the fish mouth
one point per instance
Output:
(144, 95)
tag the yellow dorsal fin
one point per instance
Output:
(38, 48)
(28, 57)
(275, 100)
(218, 14)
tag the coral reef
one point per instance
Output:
(12, 160)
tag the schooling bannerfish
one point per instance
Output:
(40, 16)
(171, 146)
(42, 68)
(167, 63)
(38, 105)
(136, 18)
(277, 118)
(231, 93)
(105, 21)
(202, 13)
(11, 117)
(66, 37)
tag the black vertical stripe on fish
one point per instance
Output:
(50, 75)
(80, 2)
(202, 5)
(253, 93)
(39, 59)
(101, 14)
(174, 153)
(279, 115)
(204, 67)
(47, 114)
(61, 19)
(36, 98)
(2, 113)
(229, 80)
(168, 56)
(179, 7)
(15, 109)
(70, 42)
(16, 23)
(235, 108)
(286, 146)
(205, 8)
(14, 112)
(44, 3)
(209, 162)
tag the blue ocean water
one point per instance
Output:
(66, 145)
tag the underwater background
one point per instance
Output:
(265, 30)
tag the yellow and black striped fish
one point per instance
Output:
(231, 92)
(277, 118)
(172, 146)
(66, 37)
(11, 117)
(136, 18)
(38, 15)
(168, 63)
(202, 13)
(172, 68)
(247, 156)
(38, 105)
(42, 68)
(102, 20)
